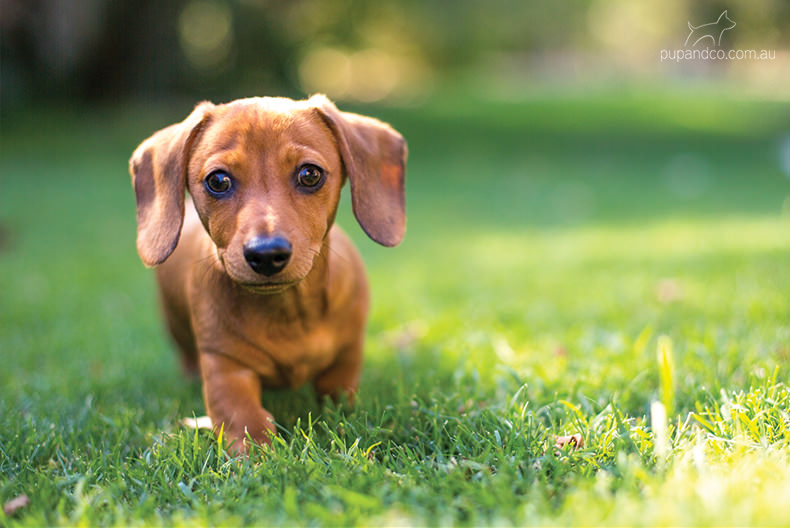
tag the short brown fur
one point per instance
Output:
(242, 330)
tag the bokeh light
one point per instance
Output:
(366, 75)
(205, 29)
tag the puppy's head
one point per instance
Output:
(265, 176)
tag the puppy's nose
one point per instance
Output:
(267, 255)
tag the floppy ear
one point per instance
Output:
(374, 157)
(158, 168)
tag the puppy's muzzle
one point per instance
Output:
(267, 255)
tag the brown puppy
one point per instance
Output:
(259, 288)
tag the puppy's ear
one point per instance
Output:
(374, 157)
(159, 169)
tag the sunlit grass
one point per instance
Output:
(550, 284)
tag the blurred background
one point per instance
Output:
(360, 50)
(570, 195)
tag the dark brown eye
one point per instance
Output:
(218, 184)
(310, 176)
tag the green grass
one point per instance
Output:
(552, 244)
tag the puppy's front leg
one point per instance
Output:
(232, 393)
(342, 376)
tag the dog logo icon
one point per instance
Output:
(713, 30)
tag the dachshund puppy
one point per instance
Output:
(259, 287)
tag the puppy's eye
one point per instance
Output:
(310, 176)
(218, 183)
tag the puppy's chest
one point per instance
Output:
(289, 355)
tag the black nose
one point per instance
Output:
(267, 255)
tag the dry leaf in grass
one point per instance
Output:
(669, 290)
(15, 504)
(574, 440)
(406, 337)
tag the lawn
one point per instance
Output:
(573, 265)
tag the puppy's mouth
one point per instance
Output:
(266, 288)
(262, 287)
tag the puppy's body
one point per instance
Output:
(287, 337)
(259, 288)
